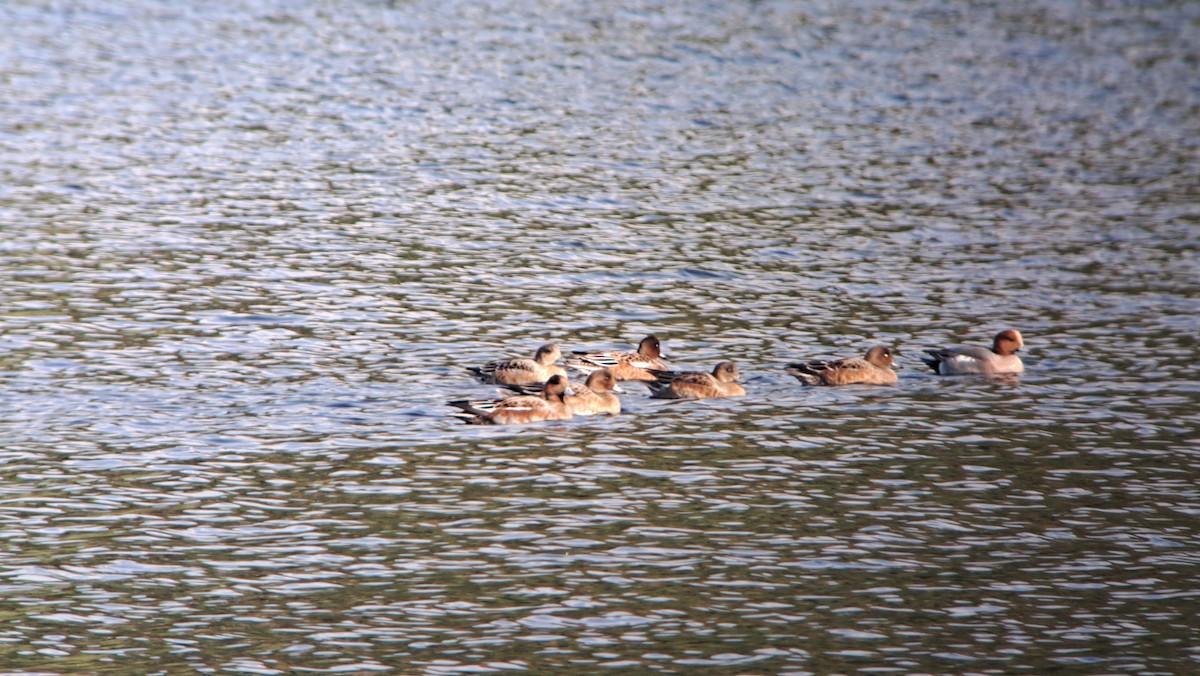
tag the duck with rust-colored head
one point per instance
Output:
(722, 382)
(975, 359)
(873, 369)
(625, 365)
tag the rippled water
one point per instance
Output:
(246, 249)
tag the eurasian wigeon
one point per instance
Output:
(874, 369)
(593, 397)
(521, 371)
(524, 408)
(722, 382)
(625, 365)
(970, 359)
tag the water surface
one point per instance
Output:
(246, 250)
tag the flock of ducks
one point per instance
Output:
(543, 391)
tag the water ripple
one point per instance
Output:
(248, 250)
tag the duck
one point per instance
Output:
(595, 396)
(873, 369)
(973, 359)
(625, 365)
(521, 408)
(522, 371)
(722, 382)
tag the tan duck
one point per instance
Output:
(593, 397)
(722, 382)
(523, 408)
(873, 369)
(522, 371)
